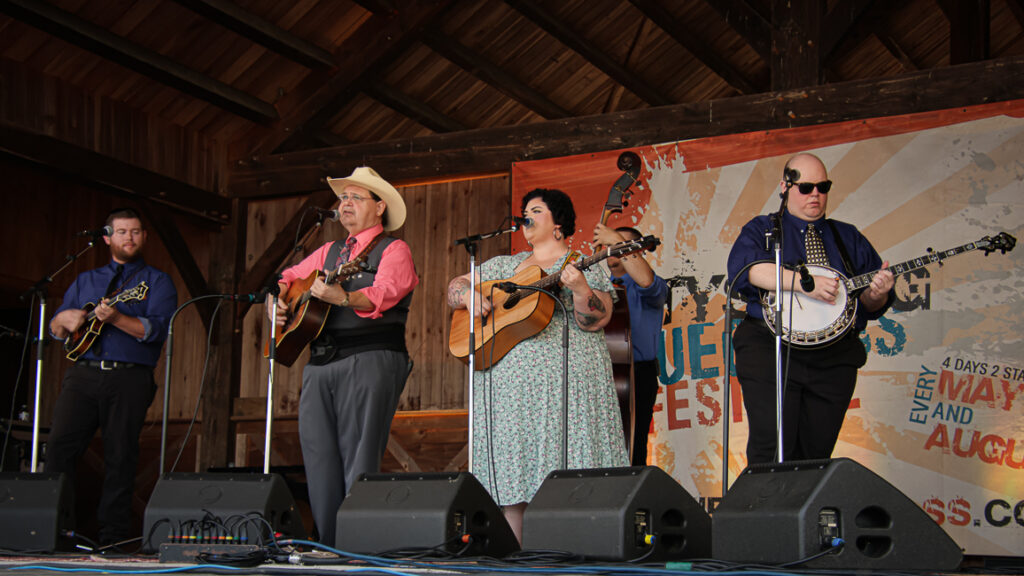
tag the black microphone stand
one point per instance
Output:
(39, 290)
(471, 243)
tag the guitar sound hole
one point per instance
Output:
(512, 301)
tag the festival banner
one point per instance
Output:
(939, 407)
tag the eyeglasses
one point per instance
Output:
(807, 187)
(345, 198)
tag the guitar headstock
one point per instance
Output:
(1002, 242)
(136, 293)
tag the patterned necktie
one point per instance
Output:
(346, 252)
(814, 247)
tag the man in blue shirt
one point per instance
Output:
(646, 293)
(820, 380)
(111, 384)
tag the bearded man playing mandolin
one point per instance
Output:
(111, 384)
(822, 379)
(518, 399)
(358, 362)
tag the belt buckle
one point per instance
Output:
(104, 364)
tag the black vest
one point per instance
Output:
(345, 333)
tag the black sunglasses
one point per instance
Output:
(807, 187)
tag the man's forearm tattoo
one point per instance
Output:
(595, 303)
(456, 290)
(586, 320)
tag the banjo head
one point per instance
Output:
(810, 322)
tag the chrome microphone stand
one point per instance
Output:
(39, 290)
(471, 243)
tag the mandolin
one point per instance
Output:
(82, 339)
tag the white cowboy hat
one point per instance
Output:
(366, 177)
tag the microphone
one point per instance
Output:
(331, 215)
(107, 230)
(524, 222)
(509, 287)
(806, 280)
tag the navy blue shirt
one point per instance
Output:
(750, 247)
(646, 314)
(154, 311)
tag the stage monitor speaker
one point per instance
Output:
(219, 508)
(391, 512)
(33, 511)
(617, 514)
(780, 513)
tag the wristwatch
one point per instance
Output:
(345, 301)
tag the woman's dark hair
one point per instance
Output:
(560, 205)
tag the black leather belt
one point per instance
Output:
(108, 364)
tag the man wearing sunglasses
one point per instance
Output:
(820, 381)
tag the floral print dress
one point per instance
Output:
(518, 409)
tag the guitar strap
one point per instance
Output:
(842, 248)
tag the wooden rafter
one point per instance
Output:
(897, 51)
(407, 106)
(248, 25)
(494, 149)
(969, 22)
(796, 55)
(379, 41)
(543, 18)
(874, 21)
(839, 21)
(112, 174)
(486, 71)
(691, 41)
(755, 29)
(88, 36)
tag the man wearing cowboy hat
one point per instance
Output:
(358, 364)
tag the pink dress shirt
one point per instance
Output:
(396, 274)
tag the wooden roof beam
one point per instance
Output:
(755, 30)
(410, 107)
(597, 57)
(112, 174)
(471, 62)
(384, 36)
(491, 150)
(246, 24)
(897, 51)
(796, 56)
(1017, 9)
(88, 36)
(969, 23)
(840, 21)
(688, 39)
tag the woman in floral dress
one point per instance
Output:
(518, 402)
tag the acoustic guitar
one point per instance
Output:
(308, 314)
(522, 313)
(813, 323)
(78, 342)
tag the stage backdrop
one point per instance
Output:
(938, 407)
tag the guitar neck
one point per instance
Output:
(862, 281)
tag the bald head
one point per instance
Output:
(806, 167)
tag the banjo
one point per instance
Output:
(813, 323)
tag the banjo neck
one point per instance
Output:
(862, 281)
